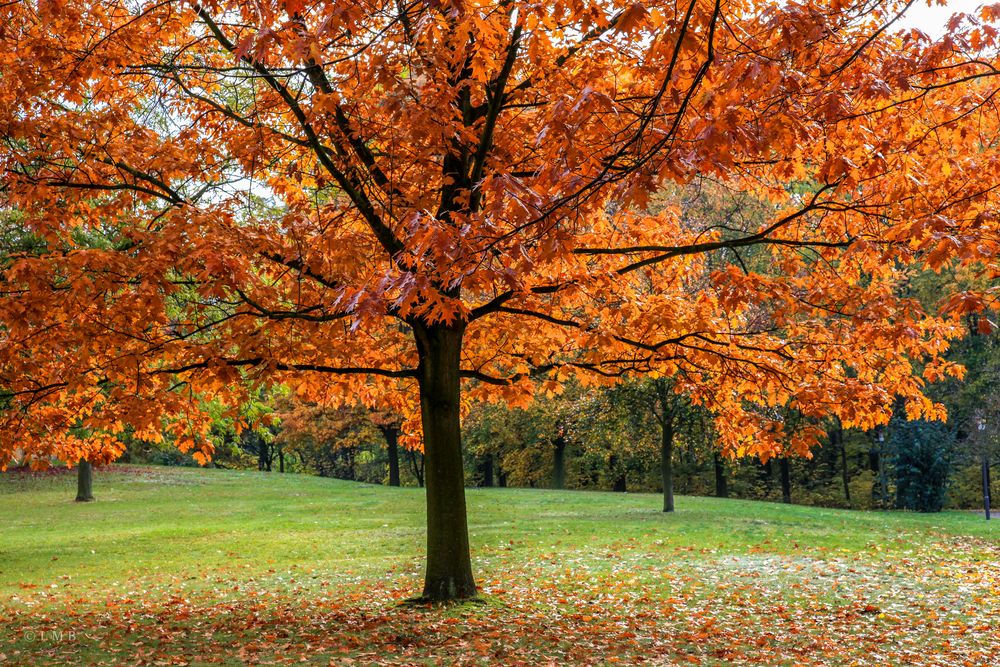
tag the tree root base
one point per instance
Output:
(423, 601)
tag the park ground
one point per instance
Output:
(180, 566)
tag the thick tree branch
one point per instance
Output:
(281, 366)
(492, 114)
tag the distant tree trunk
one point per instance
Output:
(264, 454)
(84, 482)
(448, 574)
(786, 480)
(873, 458)
(349, 472)
(619, 483)
(487, 470)
(837, 442)
(667, 462)
(721, 483)
(986, 485)
(883, 476)
(391, 434)
(281, 460)
(416, 460)
(501, 476)
(559, 461)
(665, 417)
(877, 464)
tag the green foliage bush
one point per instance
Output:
(861, 486)
(965, 489)
(921, 452)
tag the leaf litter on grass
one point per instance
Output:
(936, 606)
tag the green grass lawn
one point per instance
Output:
(180, 566)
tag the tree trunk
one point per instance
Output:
(559, 462)
(619, 484)
(281, 460)
(667, 462)
(416, 465)
(837, 439)
(264, 455)
(721, 484)
(391, 434)
(986, 486)
(84, 482)
(883, 477)
(786, 480)
(488, 471)
(449, 564)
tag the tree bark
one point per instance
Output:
(667, 462)
(84, 482)
(786, 480)
(721, 484)
(449, 563)
(391, 434)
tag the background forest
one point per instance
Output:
(600, 438)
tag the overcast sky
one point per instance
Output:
(932, 20)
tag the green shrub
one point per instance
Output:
(920, 461)
(965, 490)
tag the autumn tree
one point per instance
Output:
(328, 439)
(17, 240)
(359, 198)
(324, 439)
